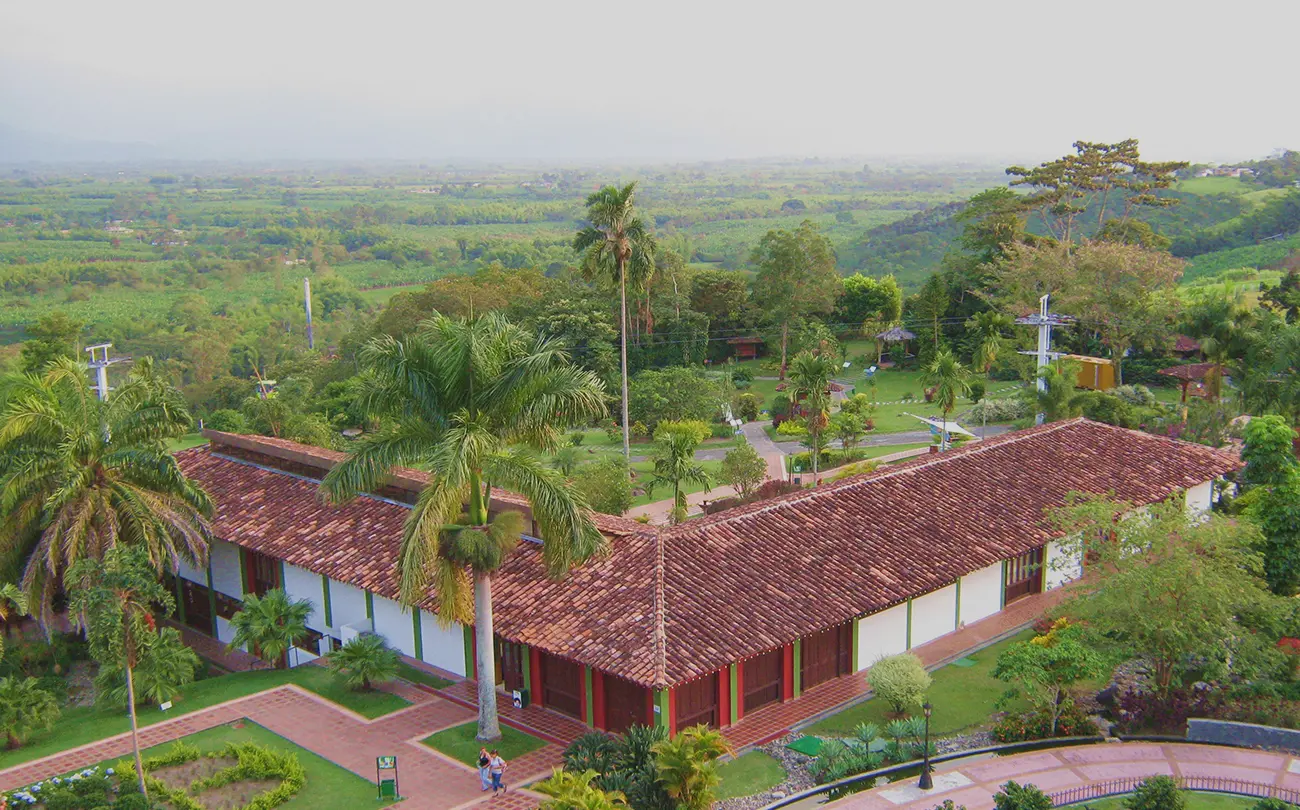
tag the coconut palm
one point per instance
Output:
(674, 465)
(113, 601)
(472, 402)
(78, 476)
(810, 377)
(687, 766)
(364, 661)
(25, 707)
(950, 380)
(617, 243)
(268, 625)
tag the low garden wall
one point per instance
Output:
(1227, 732)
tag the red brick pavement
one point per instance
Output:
(828, 698)
(548, 725)
(429, 780)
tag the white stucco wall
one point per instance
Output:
(444, 647)
(1198, 498)
(1059, 567)
(347, 604)
(394, 623)
(299, 583)
(187, 571)
(934, 615)
(883, 633)
(298, 657)
(224, 631)
(224, 558)
(981, 593)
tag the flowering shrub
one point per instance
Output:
(1074, 722)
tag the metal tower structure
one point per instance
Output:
(99, 363)
(1044, 320)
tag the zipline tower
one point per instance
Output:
(99, 363)
(1044, 320)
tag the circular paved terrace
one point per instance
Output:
(973, 783)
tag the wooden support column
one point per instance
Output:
(798, 667)
(726, 709)
(787, 672)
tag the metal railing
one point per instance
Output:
(1211, 784)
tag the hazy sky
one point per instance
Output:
(661, 79)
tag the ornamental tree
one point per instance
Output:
(1043, 669)
(1162, 584)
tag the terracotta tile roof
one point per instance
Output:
(1183, 344)
(668, 605)
(859, 545)
(1192, 371)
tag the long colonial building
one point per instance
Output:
(706, 621)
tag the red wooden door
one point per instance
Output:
(562, 687)
(826, 655)
(510, 664)
(697, 702)
(762, 675)
(625, 704)
(1024, 576)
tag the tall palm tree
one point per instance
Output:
(990, 330)
(675, 465)
(471, 402)
(617, 243)
(268, 625)
(810, 376)
(79, 476)
(950, 380)
(113, 599)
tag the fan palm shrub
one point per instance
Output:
(364, 661)
(268, 625)
(24, 708)
(79, 476)
(473, 403)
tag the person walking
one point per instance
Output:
(484, 762)
(497, 767)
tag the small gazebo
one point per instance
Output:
(1188, 374)
(896, 334)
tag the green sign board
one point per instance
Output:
(387, 785)
(386, 763)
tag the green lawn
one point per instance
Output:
(459, 743)
(328, 786)
(85, 724)
(645, 469)
(415, 675)
(963, 698)
(186, 442)
(1195, 801)
(752, 773)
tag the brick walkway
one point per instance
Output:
(429, 780)
(974, 784)
(828, 698)
(557, 728)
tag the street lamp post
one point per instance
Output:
(926, 782)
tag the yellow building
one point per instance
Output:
(1095, 373)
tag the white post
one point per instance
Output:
(1044, 346)
(306, 297)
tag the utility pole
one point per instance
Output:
(99, 363)
(306, 301)
(1044, 320)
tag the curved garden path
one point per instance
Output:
(973, 784)
(429, 780)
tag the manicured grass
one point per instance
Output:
(752, 773)
(459, 743)
(186, 442)
(85, 724)
(328, 785)
(963, 698)
(414, 675)
(1195, 801)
